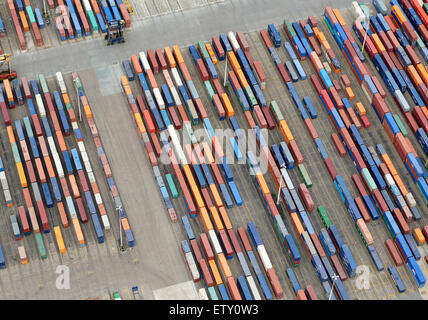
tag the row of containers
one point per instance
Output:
(244, 101)
(87, 16)
(76, 18)
(369, 167)
(70, 168)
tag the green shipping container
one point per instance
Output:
(289, 28)
(43, 83)
(203, 50)
(276, 111)
(27, 125)
(171, 185)
(15, 152)
(305, 176)
(251, 98)
(212, 294)
(400, 124)
(327, 24)
(324, 217)
(368, 179)
(40, 245)
(92, 20)
(30, 14)
(209, 88)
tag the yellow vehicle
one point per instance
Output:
(6, 73)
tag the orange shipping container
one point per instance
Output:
(241, 78)
(378, 44)
(216, 218)
(224, 265)
(349, 93)
(225, 218)
(419, 237)
(24, 22)
(227, 105)
(214, 271)
(177, 54)
(8, 90)
(211, 52)
(262, 183)
(10, 134)
(49, 167)
(285, 131)
(21, 175)
(360, 108)
(78, 232)
(414, 76)
(301, 295)
(339, 17)
(216, 196)
(136, 64)
(74, 188)
(87, 111)
(59, 240)
(168, 54)
(125, 224)
(207, 152)
(206, 221)
(233, 61)
(62, 215)
(297, 223)
(397, 11)
(423, 73)
(193, 187)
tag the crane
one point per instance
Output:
(115, 32)
(6, 73)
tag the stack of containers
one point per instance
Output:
(74, 19)
(90, 14)
(373, 93)
(82, 17)
(82, 149)
(17, 25)
(5, 186)
(107, 12)
(295, 61)
(39, 18)
(3, 108)
(33, 22)
(54, 152)
(265, 260)
(124, 13)
(9, 93)
(325, 46)
(190, 261)
(103, 158)
(21, 12)
(99, 15)
(66, 20)
(299, 48)
(307, 29)
(401, 20)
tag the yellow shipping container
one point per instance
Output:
(206, 221)
(59, 240)
(224, 265)
(216, 218)
(78, 232)
(21, 175)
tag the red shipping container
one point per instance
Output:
(202, 70)
(125, 15)
(401, 222)
(242, 41)
(244, 239)
(396, 257)
(386, 43)
(407, 214)
(234, 240)
(161, 59)
(361, 207)
(259, 116)
(182, 113)
(218, 106)
(311, 129)
(283, 73)
(206, 273)
(354, 118)
(347, 138)
(316, 84)
(206, 247)
(42, 215)
(338, 267)
(233, 289)
(218, 177)
(271, 204)
(345, 118)
(266, 39)
(317, 244)
(336, 85)
(423, 92)
(152, 61)
(23, 218)
(295, 152)
(200, 108)
(232, 77)
(358, 159)
(82, 180)
(218, 88)
(336, 98)
(249, 118)
(420, 118)
(196, 251)
(380, 201)
(269, 121)
(394, 59)
(330, 168)
(62, 215)
(310, 293)
(379, 105)
(260, 73)
(401, 145)
(378, 87)
(276, 286)
(81, 210)
(359, 185)
(218, 47)
(345, 80)
(206, 197)
(338, 144)
(411, 121)
(314, 44)
(312, 21)
(175, 120)
(226, 244)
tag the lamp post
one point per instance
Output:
(335, 277)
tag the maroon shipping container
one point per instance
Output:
(218, 105)
(379, 200)
(218, 47)
(226, 243)
(401, 222)
(283, 73)
(420, 118)
(311, 129)
(249, 58)
(394, 59)
(200, 108)
(392, 249)
(316, 84)
(379, 105)
(217, 175)
(154, 65)
(207, 198)
(217, 86)
(345, 80)
(361, 207)
(338, 144)
(386, 43)
(81, 210)
(312, 21)
(161, 59)
(125, 15)
(276, 286)
(269, 121)
(392, 38)
(409, 31)
(331, 16)
(23, 218)
(317, 244)
(425, 233)
(345, 118)
(378, 87)
(354, 118)
(365, 121)
(156, 145)
(30, 171)
(259, 116)
(266, 39)
(412, 55)
(195, 249)
(347, 138)
(336, 98)
(295, 152)
(258, 69)
(82, 180)
(359, 185)
(336, 85)
(348, 33)
(310, 293)
(387, 59)
(338, 267)
(202, 70)
(423, 32)
(174, 117)
(244, 239)
(234, 240)
(233, 289)
(314, 44)
(206, 273)
(232, 77)
(242, 41)
(42, 215)
(206, 247)
(358, 159)
(36, 33)
(330, 168)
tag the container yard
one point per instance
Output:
(284, 158)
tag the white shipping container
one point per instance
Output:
(74, 125)
(84, 156)
(261, 250)
(233, 41)
(202, 294)
(7, 196)
(81, 146)
(58, 165)
(159, 99)
(40, 106)
(175, 96)
(359, 14)
(192, 266)
(98, 198)
(253, 288)
(404, 105)
(106, 222)
(88, 167)
(70, 206)
(91, 177)
(52, 145)
(87, 5)
(389, 180)
(61, 82)
(144, 61)
(287, 179)
(176, 77)
(214, 242)
(410, 200)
